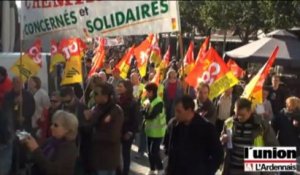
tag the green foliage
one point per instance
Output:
(245, 17)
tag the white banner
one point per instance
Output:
(90, 18)
(110, 42)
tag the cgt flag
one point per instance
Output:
(213, 71)
(56, 55)
(30, 63)
(72, 53)
(253, 90)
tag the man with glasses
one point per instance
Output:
(71, 103)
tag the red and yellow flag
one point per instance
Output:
(203, 50)
(30, 63)
(56, 55)
(235, 68)
(142, 53)
(253, 90)
(155, 56)
(156, 78)
(124, 63)
(166, 60)
(73, 69)
(188, 60)
(214, 72)
(99, 57)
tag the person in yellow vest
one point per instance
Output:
(155, 127)
(244, 129)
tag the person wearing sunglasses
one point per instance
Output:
(105, 122)
(55, 105)
(58, 154)
(72, 104)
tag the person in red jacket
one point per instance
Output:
(5, 84)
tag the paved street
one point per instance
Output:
(140, 166)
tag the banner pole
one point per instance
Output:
(21, 65)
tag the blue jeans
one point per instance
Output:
(105, 173)
(5, 158)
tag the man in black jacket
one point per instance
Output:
(19, 107)
(19, 100)
(192, 143)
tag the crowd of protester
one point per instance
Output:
(91, 131)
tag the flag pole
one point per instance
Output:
(181, 51)
(21, 65)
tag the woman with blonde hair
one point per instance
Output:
(58, 155)
(287, 124)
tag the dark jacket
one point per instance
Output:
(78, 110)
(193, 149)
(61, 162)
(287, 133)
(207, 110)
(277, 98)
(105, 147)
(6, 133)
(131, 109)
(28, 109)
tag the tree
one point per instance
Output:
(190, 16)
(280, 14)
(244, 17)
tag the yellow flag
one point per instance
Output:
(56, 56)
(73, 71)
(30, 63)
(27, 69)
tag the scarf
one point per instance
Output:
(50, 147)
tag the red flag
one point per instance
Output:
(213, 71)
(99, 58)
(188, 60)
(203, 50)
(142, 53)
(237, 71)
